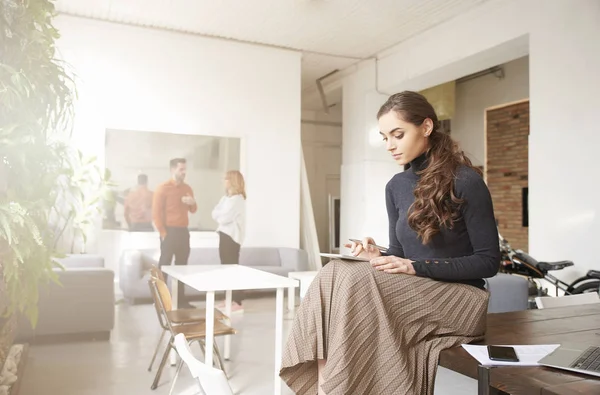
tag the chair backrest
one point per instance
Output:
(567, 300)
(155, 272)
(164, 294)
(211, 380)
(158, 306)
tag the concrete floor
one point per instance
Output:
(119, 366)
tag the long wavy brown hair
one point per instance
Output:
(435, 204)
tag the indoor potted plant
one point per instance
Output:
(44, 183)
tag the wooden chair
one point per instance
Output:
(192, 332)
(545, 302)
(211, 381)
(177, 317)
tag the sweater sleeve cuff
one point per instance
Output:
(420, 268)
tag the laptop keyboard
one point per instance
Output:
(589, 360)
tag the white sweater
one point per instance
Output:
(230, 214)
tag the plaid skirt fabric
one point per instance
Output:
(380, 333)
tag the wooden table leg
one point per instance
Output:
(483, 382)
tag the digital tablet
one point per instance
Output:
(345, 257)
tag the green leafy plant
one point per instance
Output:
(46, 187)
(82, 190)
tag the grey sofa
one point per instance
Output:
(134, 266)
(81, 306)
(507, 293)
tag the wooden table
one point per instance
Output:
(573, 324)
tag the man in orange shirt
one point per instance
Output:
(138, 206)
(171, 204)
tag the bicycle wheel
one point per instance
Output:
(591, 285)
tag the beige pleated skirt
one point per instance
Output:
(380, 333)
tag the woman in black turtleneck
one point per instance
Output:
(377, 327)
(467, 252)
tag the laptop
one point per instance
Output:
(576, 358)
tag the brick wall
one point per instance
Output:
(507, 168)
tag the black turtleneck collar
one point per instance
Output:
(419, 163)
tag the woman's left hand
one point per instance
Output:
(393, 264)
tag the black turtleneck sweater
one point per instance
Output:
(468, 252)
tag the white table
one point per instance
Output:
(228, 278)
(305, 279)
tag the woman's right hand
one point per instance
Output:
(365, 250)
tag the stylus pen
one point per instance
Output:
(380, 248)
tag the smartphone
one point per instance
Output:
(502, 353)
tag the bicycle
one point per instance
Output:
(520, 263)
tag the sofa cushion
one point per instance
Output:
(278, 270)
(249, 256)
(260, 256)
(507, 293)
(82, 260)
(82, 302)
(204, 256)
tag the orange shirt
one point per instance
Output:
(138, 206)
(167, 208)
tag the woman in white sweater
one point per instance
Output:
(230, 215)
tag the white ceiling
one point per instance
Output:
(332, 34)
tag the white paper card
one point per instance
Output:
(528, 355)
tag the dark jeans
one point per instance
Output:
(229, 252)
(176, 243)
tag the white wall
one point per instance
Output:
(493, 33)
(143, 79)
(322, 146)
(564, 56)
(474, 96)
(564, 185)
(366, 165)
